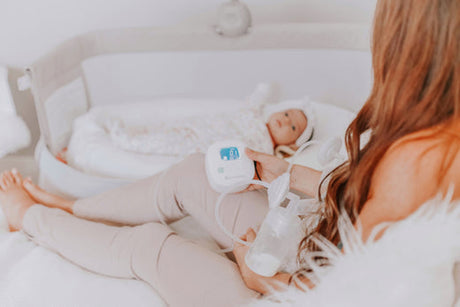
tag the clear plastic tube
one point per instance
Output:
(219, 221)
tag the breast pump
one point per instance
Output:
(229, 170)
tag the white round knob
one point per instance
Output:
(234, 19)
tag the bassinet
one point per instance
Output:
(329, 62)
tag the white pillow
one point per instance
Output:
(331, 121)
(14, 134)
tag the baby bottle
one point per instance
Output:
(278, 233)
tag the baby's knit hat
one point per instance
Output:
(303, 105)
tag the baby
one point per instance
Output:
(261, 127)
(290, 124)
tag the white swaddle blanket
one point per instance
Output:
(194, 134)
(109, 141)
(138, 140)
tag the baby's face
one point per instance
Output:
(286, 127)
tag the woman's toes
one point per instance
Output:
(9, 179)
(2, 183)
(6, 180)
(14, 203)
(27, 180)
(30, 186)
(16, 176)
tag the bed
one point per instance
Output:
(160, 66)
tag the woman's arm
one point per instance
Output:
(305, 180)
(269, 167)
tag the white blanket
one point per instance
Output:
(92, 151)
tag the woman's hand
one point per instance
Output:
(252, 280)
(303, 179)
(240, 250)
(268, 167)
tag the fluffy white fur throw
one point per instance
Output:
(14, 134)
(410, 265)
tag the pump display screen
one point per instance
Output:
(229, 154)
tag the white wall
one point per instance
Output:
(28, 28)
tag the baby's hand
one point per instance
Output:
(268, 167)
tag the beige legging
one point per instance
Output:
(184, 273)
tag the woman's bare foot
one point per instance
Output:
(45, 198)
(14, 200)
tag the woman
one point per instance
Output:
(413, 113)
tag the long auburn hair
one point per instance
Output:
(416, 66)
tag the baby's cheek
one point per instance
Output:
(285, 137)
(293, 137)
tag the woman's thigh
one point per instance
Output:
(186, 186)
(179, 191)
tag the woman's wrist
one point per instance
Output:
(305, 180)
(280, 281)
(266, 285)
